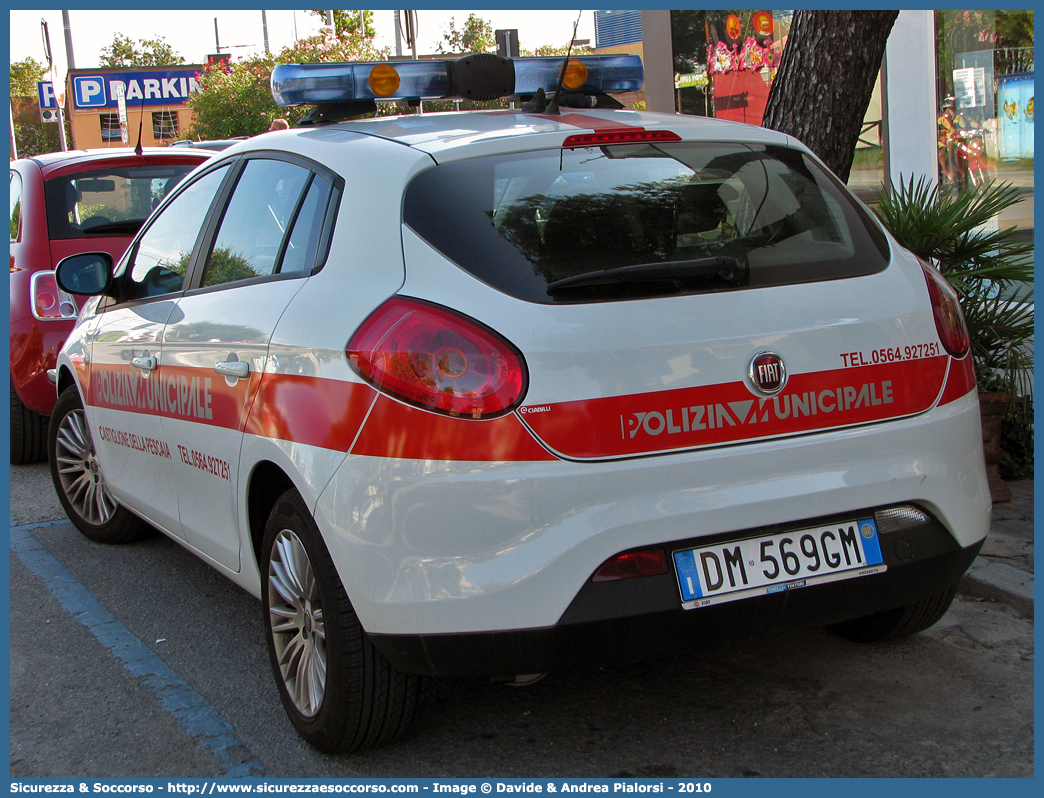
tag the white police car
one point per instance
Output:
(503, 392)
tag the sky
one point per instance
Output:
(191, 33)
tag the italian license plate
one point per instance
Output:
(758, 566)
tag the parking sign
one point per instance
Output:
(45, 94)
(89, 91)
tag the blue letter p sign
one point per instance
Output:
(45, 94)
(89, 92)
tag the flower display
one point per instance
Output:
(753, 56)
(721, 59)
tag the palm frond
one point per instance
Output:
(990, 268)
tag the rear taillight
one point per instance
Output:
(438, 360)
(49, 301)
(949, 318)
(632, 564)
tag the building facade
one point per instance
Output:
(111, 107)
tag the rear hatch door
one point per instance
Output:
(669, 297)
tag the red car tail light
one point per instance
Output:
(949, 318)
(439, 360)
(632, 564)
(49, 301)
(619, 136)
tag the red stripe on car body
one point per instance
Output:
(310, 410)
(394, 429)
(711, 415)
(351, 416)
(960, 381)
(189, 394)
(589, 122)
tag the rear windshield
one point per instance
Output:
(108, 202)
(637, 220)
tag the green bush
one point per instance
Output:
(992, 271)
(237, 100)
(35, 138)
(1017, 440)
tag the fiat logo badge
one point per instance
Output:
(767, 373)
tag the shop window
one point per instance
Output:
(985, 80)
(725, 61)
(164, 124)
(110, 127)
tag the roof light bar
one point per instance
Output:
(479, 76)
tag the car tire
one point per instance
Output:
(339, 692)
(78, 479)
(900, 622)
(28, 433)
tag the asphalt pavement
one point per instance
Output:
(141, 661)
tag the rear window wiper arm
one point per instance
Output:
(722, 266)
(123, 227)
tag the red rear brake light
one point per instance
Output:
(949, 318)
(438, 360)
(632, 564)
(621, 136)
(49, 301)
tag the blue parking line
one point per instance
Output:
(199, 720)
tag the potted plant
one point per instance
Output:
(992, 272)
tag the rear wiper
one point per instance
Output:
(722, 267)
(124, 227)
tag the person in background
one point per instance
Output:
(279, 124)
(950, 125)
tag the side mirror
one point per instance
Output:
(88, 274)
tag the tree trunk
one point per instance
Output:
(825, 79)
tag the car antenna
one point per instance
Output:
(141, 116)
(552, 108)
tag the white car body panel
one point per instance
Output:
(205, 330)
(670, 332)
(136, 473)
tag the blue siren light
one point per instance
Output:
(479, 76)
(314, 84)
(608, 74)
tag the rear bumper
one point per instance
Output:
(433, 547)
(636, 619)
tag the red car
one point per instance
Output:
(63, 203)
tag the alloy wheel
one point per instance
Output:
(296, 619)
(79, 472)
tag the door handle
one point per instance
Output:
(144, 363)
(239, 369)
